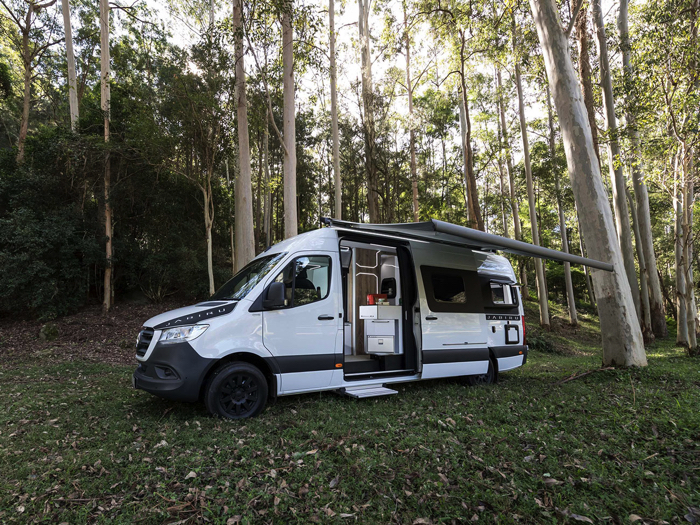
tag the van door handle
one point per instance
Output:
(325, 317)
(431, 318)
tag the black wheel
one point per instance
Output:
(236, 391)
(484, 379)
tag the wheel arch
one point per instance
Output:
(245, 357)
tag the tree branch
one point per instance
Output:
(574, 15)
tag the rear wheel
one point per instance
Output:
(484, 379)
(236, 391)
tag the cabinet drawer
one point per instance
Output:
(380, 345)
(380, 327)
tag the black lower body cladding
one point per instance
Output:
(173, 371)
(509, 351)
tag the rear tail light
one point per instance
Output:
(524, 338)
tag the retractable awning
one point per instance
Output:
(446, 233)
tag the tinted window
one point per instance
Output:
(306, 280)
(503, 294)
(250, 275)
(448, 288)
(452, 290)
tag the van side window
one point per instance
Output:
(452, 290)
(306, 280)
(448, 288)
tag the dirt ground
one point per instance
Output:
(87, 335)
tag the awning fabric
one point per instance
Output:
(446, 233)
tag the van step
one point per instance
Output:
(368, 391)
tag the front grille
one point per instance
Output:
(144, 341)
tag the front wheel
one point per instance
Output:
(484, 379)
(236, 391)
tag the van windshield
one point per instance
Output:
(245, 280)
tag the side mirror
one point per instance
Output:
(274, 296)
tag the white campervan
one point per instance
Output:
(350, 307)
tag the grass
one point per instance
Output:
(78, 445)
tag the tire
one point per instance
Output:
(488, 378)
(237, 390)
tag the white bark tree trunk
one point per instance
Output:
(368, 107)
(656, 300)
(289, 125)
(515, 208)
(267, 218)
(465, 155)
(621, 333)
(411, 130)
(622, 222)
(539, 263)
(334, 116)
(679, 251)
(70, 57)
(245, 238)
(105, 73)
(570, 299)
(644, 291)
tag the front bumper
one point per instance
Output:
(173, 371)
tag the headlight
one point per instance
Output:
(182, 333)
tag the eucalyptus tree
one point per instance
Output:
(643, 216)
(623, 344)
(70, 59)
(245, 242)
(542, 295)
(290, 150)
(666, 42)
(570, 299)
(624, 231)
(32, 28)
(338, 212)
(459, 24)
(105, 106)
(368, 117)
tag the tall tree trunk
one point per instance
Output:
(290, 156)
(70, 57)
(334, 116)
(368, 108)
(268, 195)
(465, 155)
(656, 302)
(105, 105)
(27, 62)
(570, 299)
(515, 208)
(539, 264)
(230, 218)
(411, 130)
(208, 223)
(679, 251)
(589, 280)
(584, 65)
(622, 337)
(622, 222)
(245, 243)
(688, 192)
(644, 291)
(475, 217)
